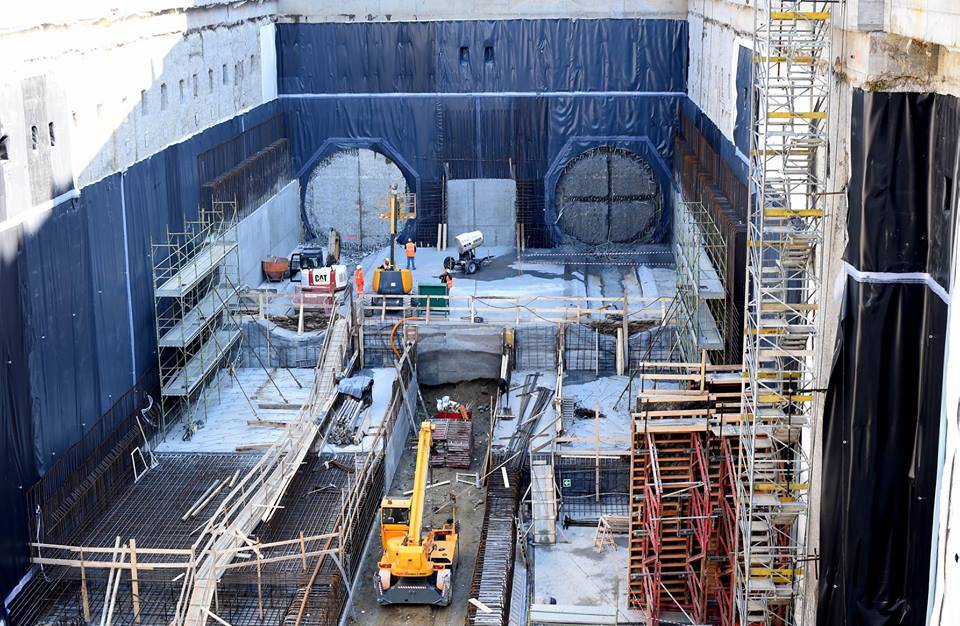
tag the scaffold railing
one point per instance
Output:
(785, 216)
(195, 277)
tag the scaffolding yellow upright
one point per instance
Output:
(785, 225)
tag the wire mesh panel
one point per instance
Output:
(587, 349)
(536, 346)
(591, 487)
(656, 344)
(376, 343)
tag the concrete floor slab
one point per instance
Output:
(229, 408)
(573, 572)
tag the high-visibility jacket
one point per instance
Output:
(358, 278)
(449, 280)
(411, 249)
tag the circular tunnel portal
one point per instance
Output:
(609, 195)
(344, 192)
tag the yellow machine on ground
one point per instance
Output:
(417, 565)
(394, 281)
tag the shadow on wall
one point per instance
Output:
(347, 191)
(72, 348)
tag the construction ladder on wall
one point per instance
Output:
(785, 226)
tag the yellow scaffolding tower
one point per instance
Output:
(785, 226)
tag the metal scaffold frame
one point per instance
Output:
(195, 285)
(698, 246)
(785, 226)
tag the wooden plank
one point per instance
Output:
(109, 564)
(271, 423)
(253, 447)
(134, 581)
(83, 590)
(104, 550)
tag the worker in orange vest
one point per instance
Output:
(447, 280)
(411, 254)
(358, 280)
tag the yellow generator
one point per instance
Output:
(392, 282)
(417, 565)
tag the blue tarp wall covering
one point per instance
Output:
(76, 305)
(481, 96)
(72, 340)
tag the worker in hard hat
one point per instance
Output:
(447, 280)
(411, 249)
(358, 280)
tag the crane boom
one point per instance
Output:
(419, 484)
(417, 565)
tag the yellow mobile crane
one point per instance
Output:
(417, 565)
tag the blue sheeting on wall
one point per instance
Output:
(483, 56)
(535, 93)
(16, 449)
(727, 149)
(744, 83)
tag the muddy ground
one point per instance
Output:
(470, 512)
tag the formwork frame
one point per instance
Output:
(791, 87)
(677, 561)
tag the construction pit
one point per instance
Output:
(500, 313)
(537, 373)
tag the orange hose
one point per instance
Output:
(393, 331)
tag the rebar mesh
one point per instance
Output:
(536, 346)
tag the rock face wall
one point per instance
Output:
(66, 121)
(267, 345)
(454, 354)
(608, 195)
(343, 193)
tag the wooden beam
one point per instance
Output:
(84, 595)
(279, 406)
(134, 581)
(271, 423)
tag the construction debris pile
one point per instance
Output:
(355, 396)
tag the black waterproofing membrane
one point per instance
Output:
(72, 340)
(485, 99)
(17, 469)
(474, 99)
(882, 414)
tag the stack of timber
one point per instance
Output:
(452, 443)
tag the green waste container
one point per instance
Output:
(436, 294)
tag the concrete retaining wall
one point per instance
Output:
(454, 353)
(485, 204)
(274, 228)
